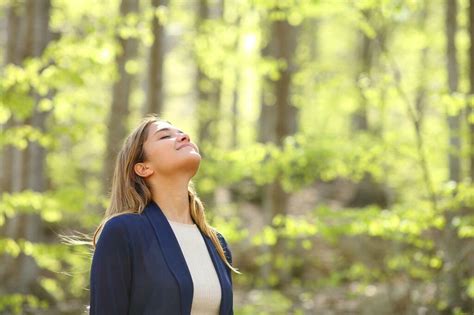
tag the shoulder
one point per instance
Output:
(221, 237)
(225, 246)
(122, 221)
(120, 226)
(127, 220)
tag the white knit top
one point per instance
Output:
(207, 289)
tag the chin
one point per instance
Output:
(192, 163)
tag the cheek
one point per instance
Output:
(156, 155)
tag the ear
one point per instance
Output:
(142, 170)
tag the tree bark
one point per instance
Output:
(454, 121)
(14, 23)
(469, 111)
(154, 89)
(367, 191)
(451, 243)
(359, 118)
(208, 88)
(31, 31)
(24, 49)
(278, 120)
(21, 47)
(117, 122)
(28, 268)
(11, 57)
(454, 267)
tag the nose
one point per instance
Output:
(183, 136)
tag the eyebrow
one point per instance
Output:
(166, 129)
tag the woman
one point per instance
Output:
(154, 251)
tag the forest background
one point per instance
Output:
(337, 139)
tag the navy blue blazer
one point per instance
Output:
(138, 268)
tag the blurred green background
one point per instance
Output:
(337, 139)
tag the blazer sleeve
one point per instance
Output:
(110, 276)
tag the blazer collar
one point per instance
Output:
(176, 262)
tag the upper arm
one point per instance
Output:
(111, 271)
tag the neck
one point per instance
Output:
(171, 195)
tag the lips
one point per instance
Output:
(185, 145)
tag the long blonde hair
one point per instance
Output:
(130, 194)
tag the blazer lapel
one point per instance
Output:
(226, 287)
(172, 253)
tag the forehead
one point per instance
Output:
(160, 125)
(154, 127)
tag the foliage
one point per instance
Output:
(326, 246)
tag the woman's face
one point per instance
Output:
(168, 151)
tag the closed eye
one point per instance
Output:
(164, 137)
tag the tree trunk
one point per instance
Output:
(359, 118)
(367, 191)
(234, 120)
(453, 289)
(469, 263)
(24, 49)
(117, 123)
(469, 110)
(11, 57)
(208, 88)
(32, 30)
(19, 35)
(28, 269)
(277, 121)
(455, 268)
(454, 121)
(154, 89)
